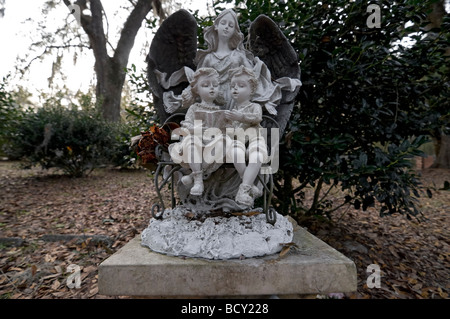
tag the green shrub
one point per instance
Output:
(10, 113)
(140, 112)
(366, 103)
(121, 154)
(72, 140)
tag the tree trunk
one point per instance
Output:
(110, 71)
(441, 142)
(443, 152)
(110, 81)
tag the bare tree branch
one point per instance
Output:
(130, 29)
(50, 47)
(158, 10)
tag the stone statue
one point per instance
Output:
(189, 152)
(230, 99)
(247, 116)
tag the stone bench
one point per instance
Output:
(313, 267)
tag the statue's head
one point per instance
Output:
(235, 38)
(243, 75)
(203, 76)
(203, 73)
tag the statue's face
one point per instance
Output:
(226, 26)
(208, 88)
(241, 90)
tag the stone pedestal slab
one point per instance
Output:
(312, 267)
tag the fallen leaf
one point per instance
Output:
(393, 252)
(55, 285)
(441, 293)
(49, 258)
(291, 244)
(50, 276)
(93, 291)
(285, 250)
(247, 213)
(33, 270)
(189, 215)
(89, 269)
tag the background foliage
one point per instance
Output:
(368, 101)
(140, 113)
(10, 113)
(73, 138)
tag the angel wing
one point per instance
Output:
(173, 47)
(268, 42)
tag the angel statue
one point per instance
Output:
(270, 64)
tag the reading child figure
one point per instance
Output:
(250, 145)
(201, 135)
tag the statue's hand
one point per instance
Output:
(270, 107)
(233, 116)
(171, 108)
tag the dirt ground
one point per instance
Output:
(413, 256)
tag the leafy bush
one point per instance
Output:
(366, 103)
(140, 112)
(121, 154)
(10, 113)
(72, 140)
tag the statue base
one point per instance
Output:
(182, 233)
(312, 267)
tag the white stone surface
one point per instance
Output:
(178, 234)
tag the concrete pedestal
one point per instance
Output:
(311, 268)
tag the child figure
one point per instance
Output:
(188, 152)
(246, 117)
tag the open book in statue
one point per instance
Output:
(232, 106)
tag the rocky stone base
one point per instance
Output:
(181, 233)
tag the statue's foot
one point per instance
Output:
(187, 180)
(243, 195)
(257, 191)
(197, 189)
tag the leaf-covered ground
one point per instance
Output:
(414, 256)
